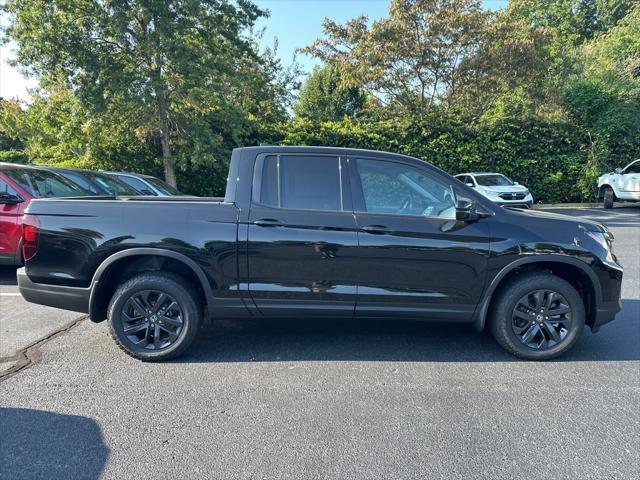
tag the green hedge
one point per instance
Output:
(545, 157)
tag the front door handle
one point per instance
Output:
(375, 229)
(267, 222)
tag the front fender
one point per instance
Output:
(481, 313)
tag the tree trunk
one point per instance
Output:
(167, 161)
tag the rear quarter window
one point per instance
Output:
(44, 184)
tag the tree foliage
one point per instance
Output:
(324, 98)
(176, 61)
(547, 92)
(410, 59)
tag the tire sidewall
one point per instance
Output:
(509, 300)
(608, 198)
(165, 284)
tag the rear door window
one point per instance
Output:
(302, 182)
(133, 182)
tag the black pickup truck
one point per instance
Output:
(321, 232)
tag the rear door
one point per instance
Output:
(302, 237)
(415, 259)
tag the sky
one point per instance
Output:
(295, 24)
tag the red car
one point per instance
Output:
(18, 185)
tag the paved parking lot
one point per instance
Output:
(301, 399)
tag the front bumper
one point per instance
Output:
(514, 203)
(76, 299)
(605, 313)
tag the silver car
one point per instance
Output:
(146, 184)
(498, 188)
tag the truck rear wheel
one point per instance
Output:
(609, 197)
(539, 316)
(154, 316)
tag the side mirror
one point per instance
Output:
(469, 184)
(618, 170)
(516, 183)
(8, 199)
(466, 210)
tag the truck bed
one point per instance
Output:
(78, 234)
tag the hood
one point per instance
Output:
(542, 215)
(506, 188)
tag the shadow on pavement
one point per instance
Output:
(38, 444)
(392, 340)
(8, 276)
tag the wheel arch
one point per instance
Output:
(124, 264)
(568, 268)
(603, 187)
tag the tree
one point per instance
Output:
(323, 98)
(174, 61)
(510, 62)
(615, 56)
(410, 59)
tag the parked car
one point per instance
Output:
(322, 232)
(19, 185)
(498, 188)
(146, 184)
(622, 185)
(95, 182)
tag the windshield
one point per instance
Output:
(43, 184)
(111, 185)
(162, 186)
(494, 180)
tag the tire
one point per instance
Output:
(150, 303)
(507, 317)
(609, 197)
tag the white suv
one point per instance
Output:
(621, 185)
(498, 188)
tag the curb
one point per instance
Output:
(549, 206)
(599, 206)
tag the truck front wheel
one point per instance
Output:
(538, 316)
(609, 197)
(154, 316)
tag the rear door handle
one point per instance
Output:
(375, 229)
(267, 222)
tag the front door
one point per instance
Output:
(630, 178)
(10, 227)
(302, 237)
(415, 259)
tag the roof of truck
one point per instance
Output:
(316, 149)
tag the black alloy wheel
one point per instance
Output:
(155, 316)
(541, 319)
(151, 319)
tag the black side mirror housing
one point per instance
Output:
(466, 210)
(8, 199)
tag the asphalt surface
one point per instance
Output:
(357, 400)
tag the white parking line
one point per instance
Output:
(9, 294)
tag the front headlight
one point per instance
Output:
(491, 193)
(605, 240)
